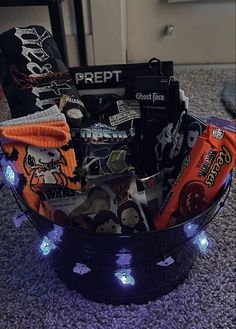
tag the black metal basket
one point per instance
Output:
(124, 269)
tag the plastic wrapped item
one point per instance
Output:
(105, 150)
(108, 205)
(202, 175)
(150, 193)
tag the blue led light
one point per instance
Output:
(46, 246)
(81, 269)
(201, 241)
(19, 218)
(10, 175)
(56, 234)
(124, 258)
(125, 277)
(190, 229)
(227, 180)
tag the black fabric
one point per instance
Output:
(159, 101)
(32, 72)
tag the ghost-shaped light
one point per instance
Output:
(10, 175)
(190, 229)
(46, 246)
(125, 277)
(201, 241)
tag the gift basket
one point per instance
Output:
(109, 166)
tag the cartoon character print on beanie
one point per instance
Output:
(44, 166)
(42, 154)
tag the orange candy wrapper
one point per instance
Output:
(202, 175)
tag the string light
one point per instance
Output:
(19, 218)
(190, 229)
(10, 175)
(56, 234)
(81, 269)
(201, 241)
(125, 277)
(46, 246)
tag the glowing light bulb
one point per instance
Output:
(19, 218)
(125, 277)
(190, 229)
(46, 246)
(201, 241)
(56, 234)
(10, 175)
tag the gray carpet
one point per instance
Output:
(228, 96)
(32, 297)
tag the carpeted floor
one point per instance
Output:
(228, 96)
(32, 297)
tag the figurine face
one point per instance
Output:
(109, 227)
(129, 217)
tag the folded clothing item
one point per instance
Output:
(32, 72)
(163, 106)
(35, 151)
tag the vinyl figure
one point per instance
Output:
(131, 218)
(106, 222)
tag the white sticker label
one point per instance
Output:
(122, 117)
(128, 110)
(126, 105)
(217, 133)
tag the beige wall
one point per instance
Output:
(204, 31)
(132, 30)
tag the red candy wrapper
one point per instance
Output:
(202, 175)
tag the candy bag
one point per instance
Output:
(202, 176)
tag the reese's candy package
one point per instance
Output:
(203, 174)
